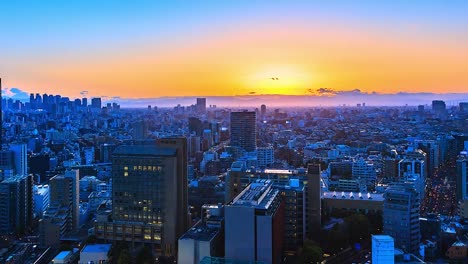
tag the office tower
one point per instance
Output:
(205, 238)
(195, 126)
(106, 151)
(65, 192)
(1, 114)
(243, 131)
(88, 155)
(383, 250)
(432, 150)
(233, 180)
(314, 204)
(390, 170)
(16, 204)
(462, 174)
(463, 106)
(149, 201)
(62, 215)
(41, 199)
(401, 216)
(255, 224)
(96, 103)
(140, 130)
(6, 164)
(438, 106)
(263, 109)
(20, 158)
(84, 102)
(201, 105)
(265, 156)
(364, 172)
(421, 108)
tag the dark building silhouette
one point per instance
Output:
(243, 130)
(149, 196)
(16, 204)
(96, 103)
(201, 105)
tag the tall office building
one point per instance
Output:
(243, 130)
(438, 106)
(401, 216)
(383, 250)
(63, 214)
(16, 204)
(314, 203)
(1, 115)
(462, 174)
(96, 103)
(201, 105)
(140, 130)
(263, 109)
(20, 158)
(255, 224)
(149, 201)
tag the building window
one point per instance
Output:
(126, 174)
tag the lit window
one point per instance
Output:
(126, 173)
(126, 168)
(140, 167)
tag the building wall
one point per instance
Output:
(240, 233)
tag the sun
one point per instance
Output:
(286, 80)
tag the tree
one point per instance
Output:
(358, 227)
(311, 253)
(124, 257)
(145, 256)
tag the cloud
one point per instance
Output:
(251, 93)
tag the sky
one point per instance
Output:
(150, 49)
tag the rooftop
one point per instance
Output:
(63, 255)
(382, 238)
(145, 150)
(201, 233)
(97, 248)
(377, 197)
(259, 194)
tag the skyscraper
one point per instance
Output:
(20, 158)
(1, 114)
(401, 216)
(462, 174)
(149, 195)
(314, 203)
(16, 204)
(243, 130)
(62, 215)
(255, 223)
(201, 105)
(96, 103)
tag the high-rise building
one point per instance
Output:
(265, 156)
(16, 204)
(96, 103)
(1, 114)
(263, 109)
(140, 130)
(149, 201)
(314, 203)
(20, 158)
(438, 106)
(243, 130)
(201, 105)
(383, 250)
(401, 216)
(462, 176)
(255, 224)
(63, 214)
(364, 172)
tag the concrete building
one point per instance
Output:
(265, 156)
(353, 201)
(201, 105)
(364, 171)
(462, 176)
(314, 208)
(383, 250)
(401, 216)
(97, 253)
(243, 131)
(63, 214)
(16, 204)
(149, 196)
(254, 224)
(205, 238)
(41, 199)
(20, 158)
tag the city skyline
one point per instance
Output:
(135, 50)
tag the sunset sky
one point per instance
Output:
(147, 49)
